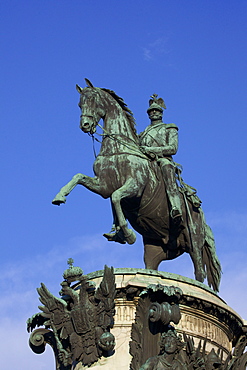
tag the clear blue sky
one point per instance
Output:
(191, 53)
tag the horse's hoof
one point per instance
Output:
(116, 237)
(59, 199)
(131, 237)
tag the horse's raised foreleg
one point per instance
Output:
(116, 234)
(129, 189)
(115, 226)
(91, 183)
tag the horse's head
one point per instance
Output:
(92, 109)
(97, 103)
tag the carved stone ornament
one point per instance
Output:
(157, 307)
(184, 355)
(155, 344)
(237, 360)
(77, 325)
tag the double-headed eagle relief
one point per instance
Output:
(78, 324)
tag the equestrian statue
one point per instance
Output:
(144, 184)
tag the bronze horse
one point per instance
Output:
(135, 186)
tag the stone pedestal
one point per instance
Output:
(204, 314)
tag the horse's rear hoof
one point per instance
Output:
(131, 237)
(59, 200)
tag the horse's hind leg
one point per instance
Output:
(129, 189)
(156, 251)
(153, 256)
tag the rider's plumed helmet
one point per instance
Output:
(155, 103)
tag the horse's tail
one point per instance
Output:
(210, 260)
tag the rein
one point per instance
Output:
(94, 139)
(113, 137)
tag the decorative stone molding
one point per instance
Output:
(204, 316)
(201, 327)
(125, 312)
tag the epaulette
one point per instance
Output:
(171, 125)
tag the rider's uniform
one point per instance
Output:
(161, 140)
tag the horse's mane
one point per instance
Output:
(123, 105)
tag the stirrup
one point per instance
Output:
(175, 213)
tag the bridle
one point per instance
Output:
(95, 122)
(114, 137)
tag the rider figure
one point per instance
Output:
(160, 141)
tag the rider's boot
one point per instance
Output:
(172, 192)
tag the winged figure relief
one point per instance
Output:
(80, 321)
